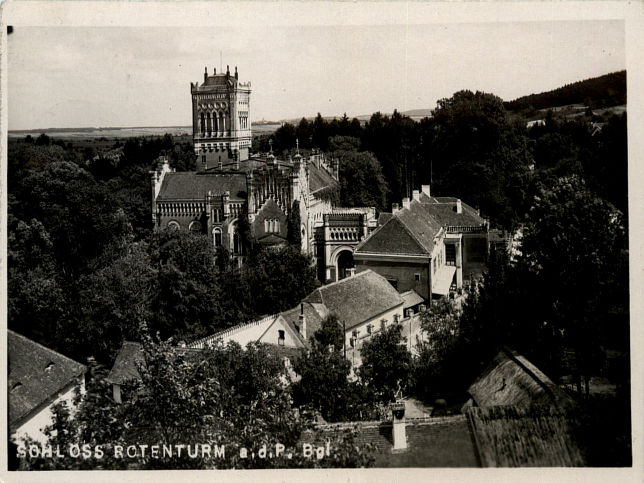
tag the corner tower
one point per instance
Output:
(221, 131)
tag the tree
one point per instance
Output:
(479, 156)
(293, 234)
(575, 242)
(223, 396)
(186, 300)
(324, 385)
(362, 182)
(385, 363)
(279, 278)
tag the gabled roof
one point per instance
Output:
(125, 366)
(410, 231)
(411, 299)
(357, 299)
(36, 375)
(443, 210)
(314, 313)
(511, 380)
(508, 436)
(392, 237)
(320, 180)
(195, 186)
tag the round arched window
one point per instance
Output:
(173, 225)
(195, 227)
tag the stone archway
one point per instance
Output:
(344, 262)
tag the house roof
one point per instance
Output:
(36, 375)
(125, 366)
(195, 186)
(443, 210)
(511, 380)
(510, 436)
(357, 299)
(314, 313)
(409, 231)
(320, 179)
(384, 218)
(411, 299)
(431, 442)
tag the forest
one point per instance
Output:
(86, 271)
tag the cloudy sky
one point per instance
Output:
(140, 76)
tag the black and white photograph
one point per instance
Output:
(276, 236)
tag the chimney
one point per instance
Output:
(214, 71)
(398, 427)
(236, 74)
(425, 189)
(205, 74)
(415, 195)
(459, 207)
(227, 71)
(394, 207)
(406, 203)
(303, 326)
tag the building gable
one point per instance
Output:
(281, 327)
(392, 238)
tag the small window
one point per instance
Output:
(417, 277)
(280, 337)
(203, 159)
(369, 329)
(396, 318)
(383, 324)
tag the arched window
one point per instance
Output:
(203, 124)
(217, 237)
(195, 227)
(236, 243)
(173, 225)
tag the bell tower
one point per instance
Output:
(221, 131)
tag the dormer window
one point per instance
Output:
(49, 367)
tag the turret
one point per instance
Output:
(205, 74)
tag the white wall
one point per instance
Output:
(39, 421)
(362, 328)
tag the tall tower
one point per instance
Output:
(220, 120)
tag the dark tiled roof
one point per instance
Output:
(511, 380)
(194, 186)
(423, 227)
(432, 442)
(392, 237)
(36, 374)
(272, 240)
(358, 298)
(125, 365)
(219, 80)
(524, 437)
(443, 209)
(320, 179)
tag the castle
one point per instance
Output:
(230, 183)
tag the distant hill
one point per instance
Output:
(604, 91)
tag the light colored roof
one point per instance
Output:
(314, 313)
(36, 375)
(357, 299)
(411, 299)
(125, 367)
(249, 331)
(443, 210)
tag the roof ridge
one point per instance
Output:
(410, 232)
(229, 331)
(46, 348)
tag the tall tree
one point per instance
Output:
(386, 363)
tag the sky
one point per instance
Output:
(79, 76)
